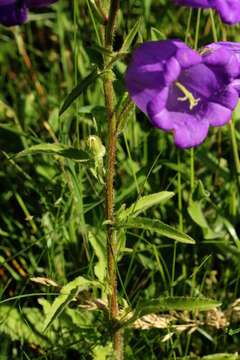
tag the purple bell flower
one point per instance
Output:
(229, 46)
(229, 10)
(14, 12)
(181, 90)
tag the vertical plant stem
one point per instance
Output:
(75, 14)
(197, 29)
(192, 170)
(180, 221)
(180, 192)
(192, 149)
(188, 26)
(112, 145)
(173, 268)
(214, 31)
(180, 218)
(235, 151)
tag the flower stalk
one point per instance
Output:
(109, 206)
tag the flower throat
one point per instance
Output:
(188, 95)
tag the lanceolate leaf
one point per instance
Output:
(82, 86)
(157, 226)
(221, 356)
(56, 149)
(145, 203)
(157, 35)
(97, 14)
(130, 37)
(67, 293)
(102, 50)
(164, 304)
(124, 111)
(176, 303)
(99, 243)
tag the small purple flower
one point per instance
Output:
(229, 10)
(14, 12)
(181, 90)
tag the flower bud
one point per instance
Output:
(95, 147)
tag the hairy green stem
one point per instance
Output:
(109, 32)
(112, 146)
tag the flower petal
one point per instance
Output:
(194, 3)
(227, 97)
(187, 57)
(13, 13)
(158, 114)
(189, 130)
(217, 115)
(224, 58)
(152, 66)
(229, 10)
(200, 79)
(171, 71)
(236, 85)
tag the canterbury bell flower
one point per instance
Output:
(181, 90)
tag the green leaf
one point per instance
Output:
(221, 356)
(102, 50)
(56, 149)
(157, 226)
(130, 37)
(157, 35)
(124, 111)
(99, 243)
(145, 203)
(96, 13)
(213, 164)
(77, 91)
(195, 211)
(232, 231)
(67, 293)
(103, 352)
(24, 325)
(175, 303)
